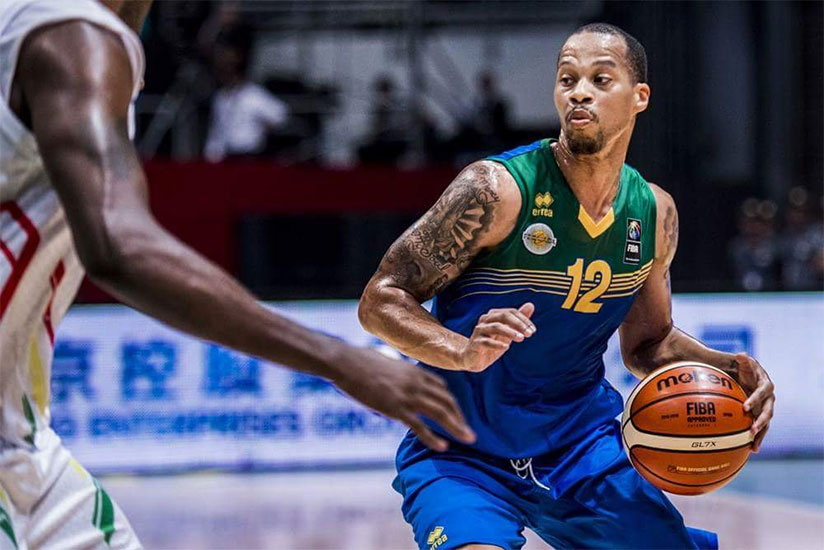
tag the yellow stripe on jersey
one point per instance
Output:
(516, 282)
(643, 269)
(37, 375)
(81, 471)
(624, 284)
(546, 272)
(516, 276)
(519, 289)
(505, 271)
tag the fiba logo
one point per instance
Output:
(634, 230)
(632, 246)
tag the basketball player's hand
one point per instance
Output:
(494, 333)
(404, 392)
(761, 401)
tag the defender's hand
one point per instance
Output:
(404, 392)
(761, 401)
(494, 333)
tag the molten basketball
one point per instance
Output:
(685, 429)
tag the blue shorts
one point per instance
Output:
(588, 496)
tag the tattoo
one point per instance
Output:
(732, 368)
(671, 230)
(444, 242)
(671, 233)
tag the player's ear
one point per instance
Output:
(642, 92)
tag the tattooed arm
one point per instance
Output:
(477, 211)
(649, 339)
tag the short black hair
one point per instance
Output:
(636, 56)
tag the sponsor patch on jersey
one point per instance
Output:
(632, 247)
(539, 239)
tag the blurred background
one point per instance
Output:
(292, 141)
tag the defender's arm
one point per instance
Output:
(649, 339)
(76, 85)
(73, 87)
(477, 211)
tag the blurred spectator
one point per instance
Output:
(385, 142)
(490, 117)
(485, 123)
(802, 245)
(754, 251)
(226, 23)
(243, 113)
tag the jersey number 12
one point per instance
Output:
(597, 273)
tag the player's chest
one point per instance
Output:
(561, 257)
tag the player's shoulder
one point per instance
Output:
(489, 184)
(663, 200)
(523, 152)
(488, 176)
(71, 39)
(74, 55)
(50, 42)
(666, 223)
(26, 19)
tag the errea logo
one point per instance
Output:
(543, 201)
(436, 538)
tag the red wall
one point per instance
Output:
(200, 202)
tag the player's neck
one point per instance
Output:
(593, 178)
(132, 12)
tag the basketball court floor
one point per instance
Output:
(772, 505)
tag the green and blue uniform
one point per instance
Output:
(548, 454)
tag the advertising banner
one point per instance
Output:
(131, 395)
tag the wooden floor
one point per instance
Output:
(358, 510)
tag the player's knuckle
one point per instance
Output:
(500, 327)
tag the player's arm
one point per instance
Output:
(649, 339)
(477, 211)
(74, 86)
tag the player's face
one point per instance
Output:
(595, 95)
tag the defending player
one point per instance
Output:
(536, 257)
(70, 177)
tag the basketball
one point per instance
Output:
(685, 429)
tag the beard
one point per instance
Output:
(586, 145)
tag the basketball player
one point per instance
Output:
(535, 257)
(73, 195)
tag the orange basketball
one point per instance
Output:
(685, 429)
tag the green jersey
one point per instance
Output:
(582, 276)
